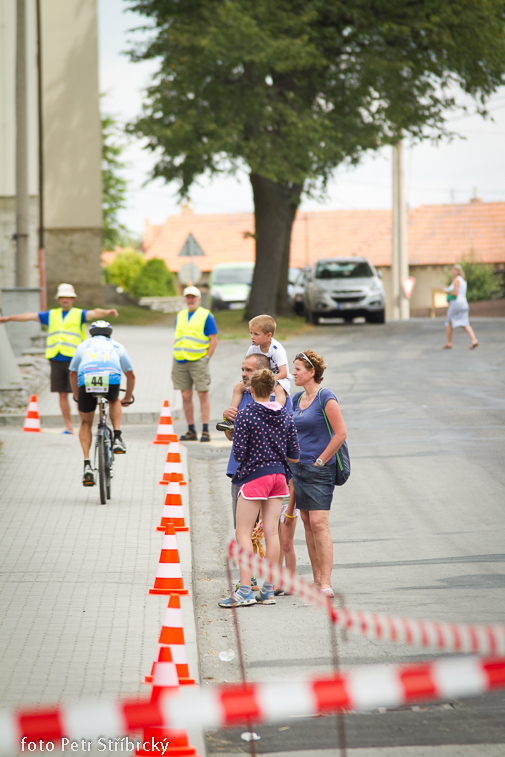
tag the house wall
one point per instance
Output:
(72, 148)
(71, 145)
(427, 278)
(8, 142)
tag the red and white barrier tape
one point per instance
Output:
(361, 688)
(429, 634)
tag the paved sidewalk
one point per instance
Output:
(77, 620)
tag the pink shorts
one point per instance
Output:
(273, 485)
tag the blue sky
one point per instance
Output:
(450, 172)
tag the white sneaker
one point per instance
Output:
(118, 446)
(88, 478)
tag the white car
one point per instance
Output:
(344, 288)
(230, 284)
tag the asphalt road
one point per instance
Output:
(419, 531)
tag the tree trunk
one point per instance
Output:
(284, 306)
(274, 212)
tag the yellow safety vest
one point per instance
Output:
(65, 334)
(190, 341)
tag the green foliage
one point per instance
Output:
(154, 279)
(292, 89)
(124, 269)
(113, 186)
(484, 283)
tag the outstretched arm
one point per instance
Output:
(19, 317)
(100, 313)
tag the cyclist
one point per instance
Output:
(98, 363)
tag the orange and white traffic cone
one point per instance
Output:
(165, 674)
(175, 743)
(165, 433)
(172, 509)
(172, 636)
(32, 419)
(173, 465)
(169, 575)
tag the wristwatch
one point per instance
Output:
(319, 462)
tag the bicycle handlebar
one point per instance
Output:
(126, 404)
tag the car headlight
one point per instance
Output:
(320, 290)
(375, 286)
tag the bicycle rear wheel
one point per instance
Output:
(102, 470)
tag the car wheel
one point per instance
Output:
(348, 319)
(378, 317)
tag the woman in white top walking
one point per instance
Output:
(457, 314)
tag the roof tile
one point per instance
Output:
(436, 234)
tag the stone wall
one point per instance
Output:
(34, 378)
(73, 257)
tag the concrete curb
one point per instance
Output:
(184, 545)
(17, 419)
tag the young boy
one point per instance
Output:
(262, 328)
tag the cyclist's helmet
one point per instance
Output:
(100, 328)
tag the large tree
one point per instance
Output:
(290, 89)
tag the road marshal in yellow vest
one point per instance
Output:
(195, 342)
(65, 331)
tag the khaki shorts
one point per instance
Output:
(192, 373)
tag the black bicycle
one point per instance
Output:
(103, 462)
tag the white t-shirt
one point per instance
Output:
(278, 357)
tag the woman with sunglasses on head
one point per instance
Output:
(316, 411)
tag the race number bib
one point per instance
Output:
(97, 382)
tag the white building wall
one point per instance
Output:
(72, 133)
(8, 139)
(71, 144)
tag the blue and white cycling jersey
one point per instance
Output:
(100, 354)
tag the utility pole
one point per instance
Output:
(400, 267)
(42, 256)
(22, 201)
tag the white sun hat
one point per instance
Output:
(65, 290)
(192, 290)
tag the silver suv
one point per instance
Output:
(344, 288)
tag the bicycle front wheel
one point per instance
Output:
(102, 470)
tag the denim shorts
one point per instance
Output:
(314, 485)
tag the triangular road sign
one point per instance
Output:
(407, 283)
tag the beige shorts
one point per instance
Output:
(193, 373)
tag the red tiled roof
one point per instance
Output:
(437, 235)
